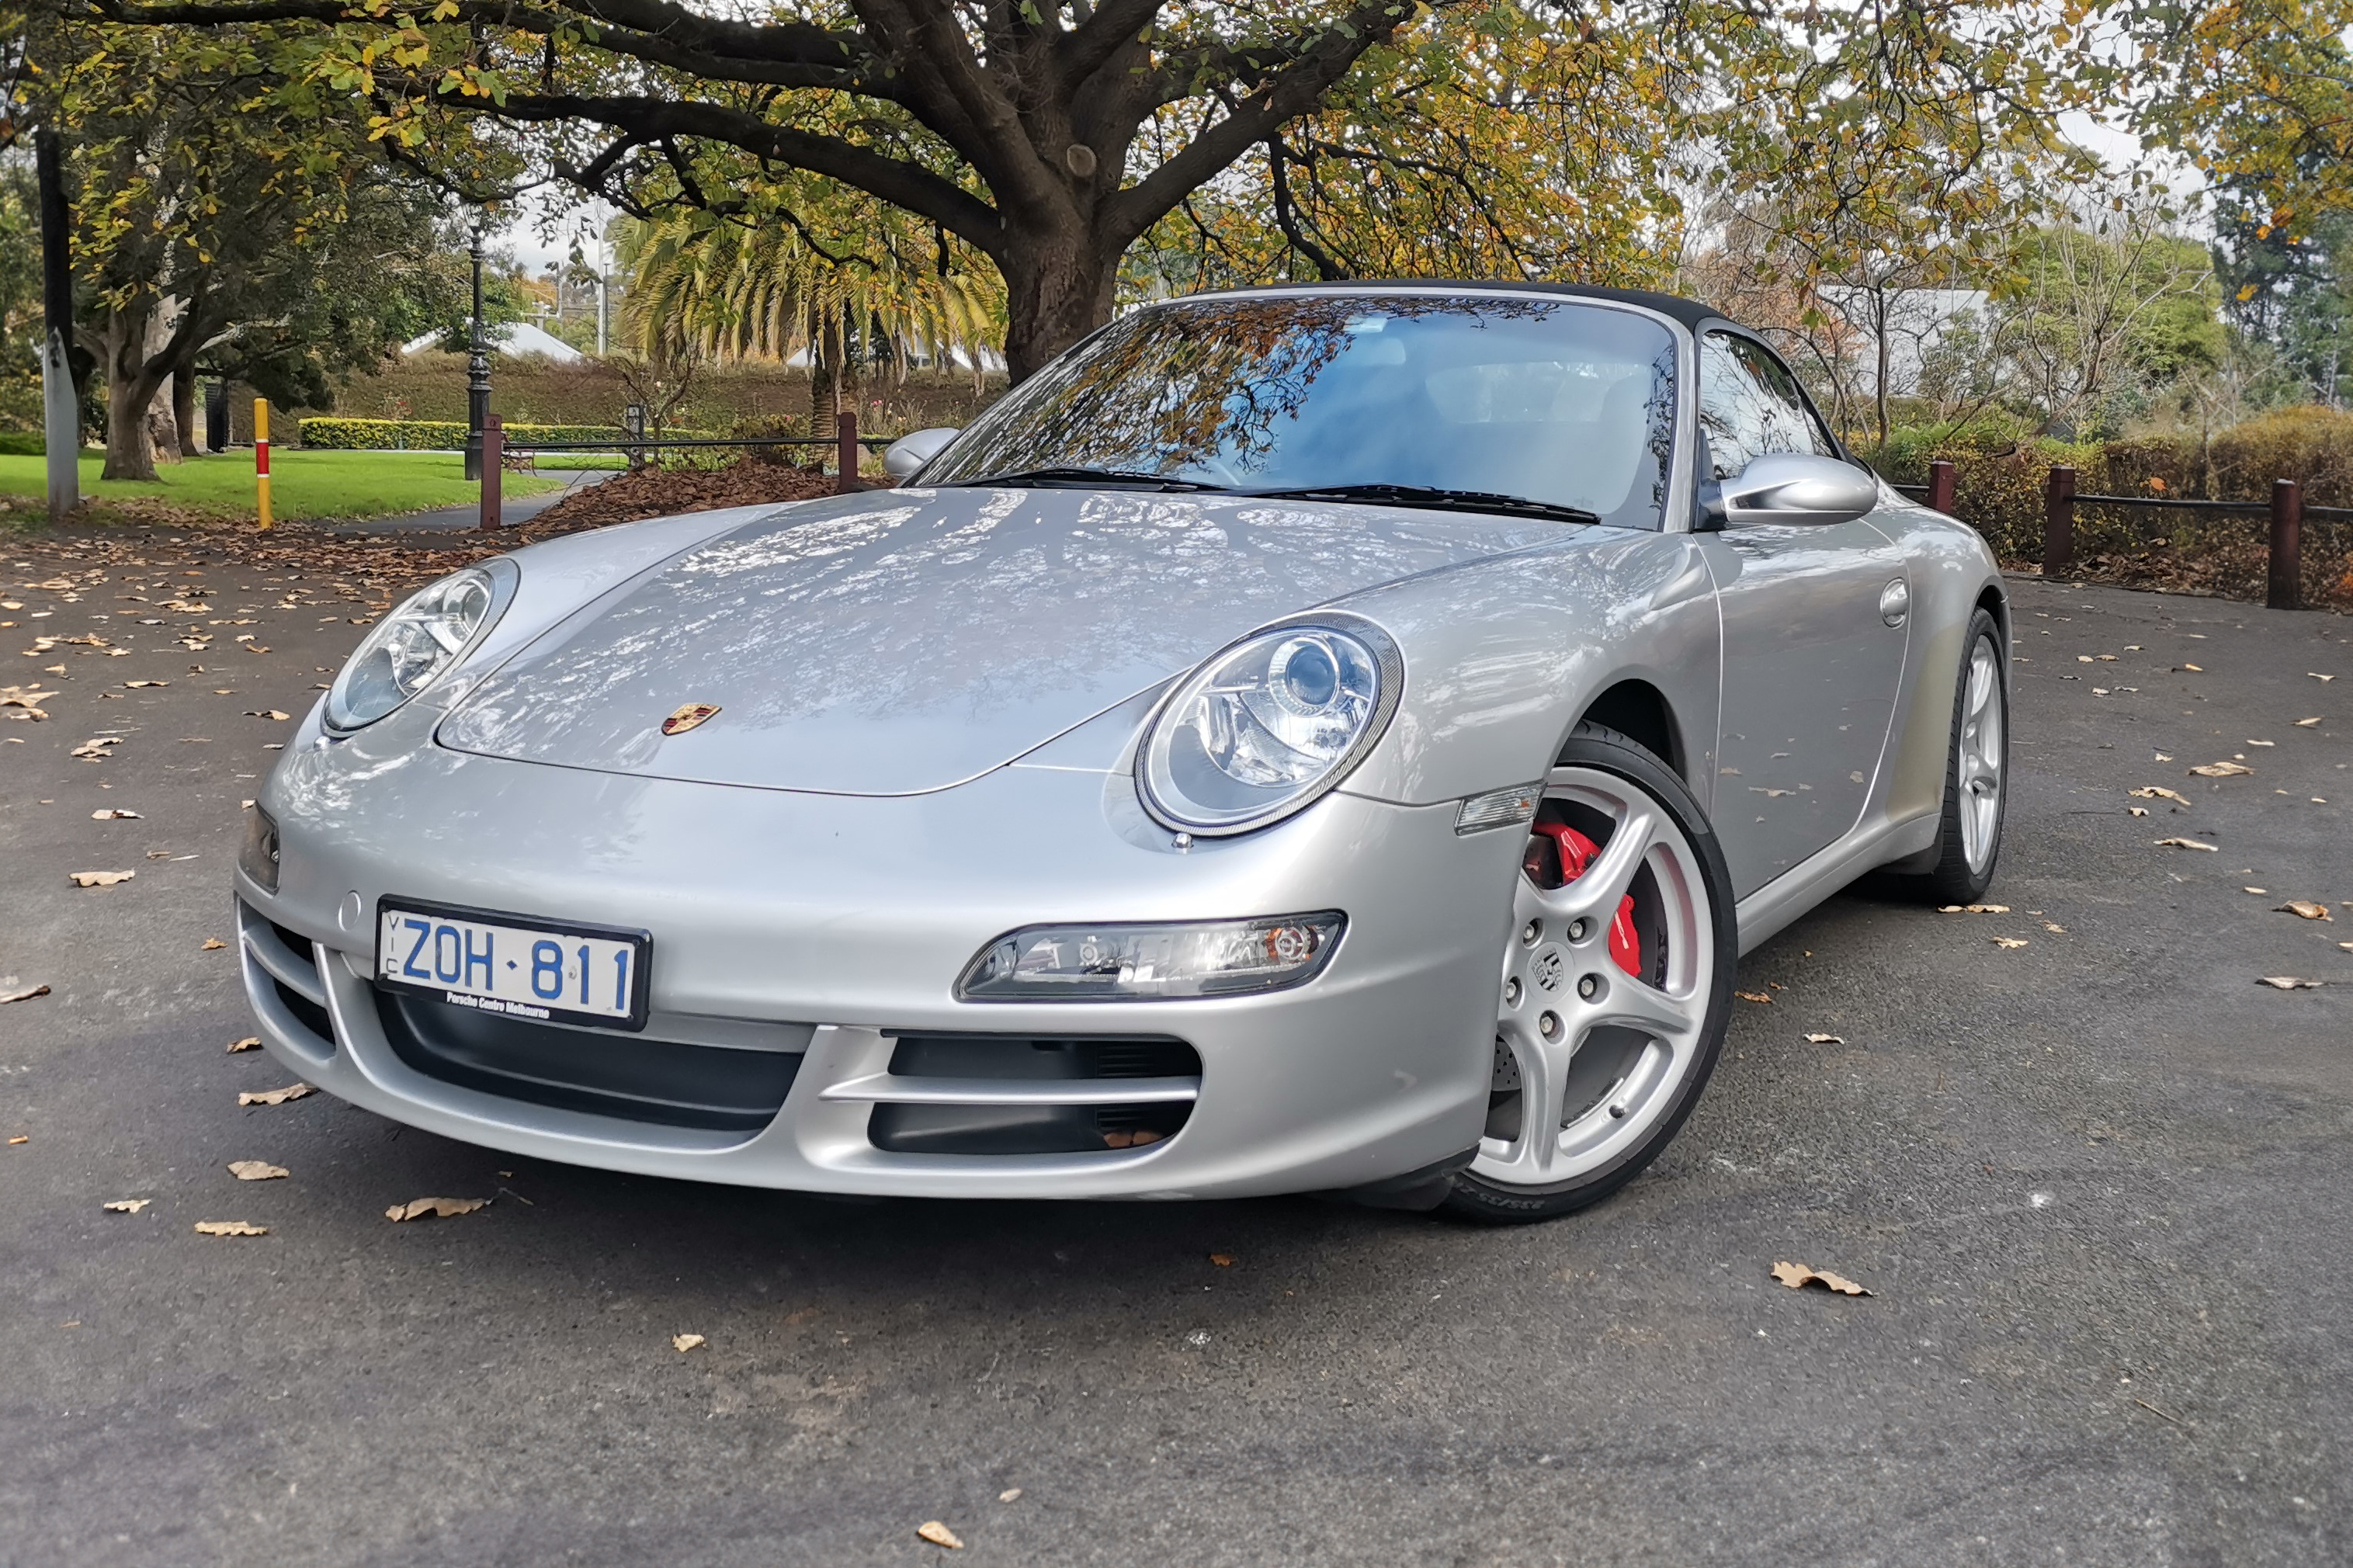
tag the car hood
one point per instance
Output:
(902, 641)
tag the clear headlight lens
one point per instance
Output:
(412, 646)
(1266, 726)
(1114, 963)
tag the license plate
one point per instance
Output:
(516, 965)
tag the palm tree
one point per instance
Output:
(847, 288)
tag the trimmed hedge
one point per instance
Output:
(332, 434)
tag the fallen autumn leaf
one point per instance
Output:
(2185, 843)
(1009, 1494)
(2306, 723)
(12, 992)
(257, 1171)
(939, 1535)
(99, 879)
(1973, 909)
(275, 1095)
(1796, 1276)
(229, 1227)
(442, 1208)
(2306, 908)
(250, 1042)
(2158, 792)
(2289, 983)
(126, 1205)
(212, 944)
(1824, 1040)
(2222, 770)
(1762, 996)
(2010, 942)
(682, 1343)
(114, 813)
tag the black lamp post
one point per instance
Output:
(477, 370)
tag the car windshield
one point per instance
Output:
(1562, 404)
(1396, 399)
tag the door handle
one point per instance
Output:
(1895, 602)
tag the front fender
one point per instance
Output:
(1503, 657)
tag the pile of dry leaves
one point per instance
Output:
(662, 492)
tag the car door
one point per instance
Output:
(1814, 636)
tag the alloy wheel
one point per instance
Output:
(1606, 980)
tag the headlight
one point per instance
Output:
(411, 648)
(1128, 963)
(1267, 725)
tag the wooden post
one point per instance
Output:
(2285, 590)
(494, 464)
(2059, 523)
(1940, 487)
(261, 458)
(845, 457)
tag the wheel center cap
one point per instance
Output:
(1547, 969)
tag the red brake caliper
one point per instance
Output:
(1576, 853)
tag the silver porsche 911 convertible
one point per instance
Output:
(1333, 739)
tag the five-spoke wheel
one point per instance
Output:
(1611, 1000)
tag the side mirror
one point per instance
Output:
(1798, 487)
(905, 457)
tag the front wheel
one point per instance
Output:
(1615, 989)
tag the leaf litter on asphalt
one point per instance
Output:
(126, 1205)
(257, 1171)
(99, 879)
(2222, 770)
(436, 1208)
(11, 990)
(2304, 907)
(2185, 843)
(275, 1095)
(682, 1343)
(939, 1535)
(1796, 1276)
(2158, 792)
(1820, 1040)
(2007, 942)
(1973, 909)
(113, 814)
(229, 1227)
(250, 1042)
(2290, 983)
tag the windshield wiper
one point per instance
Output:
(1434, 498)
(1080, 477)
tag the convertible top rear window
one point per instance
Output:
(1555, 401)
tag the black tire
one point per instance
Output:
(1952, 880)
(1594, 746)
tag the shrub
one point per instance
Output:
(2313, 446)
(433, 435)
(21, 444)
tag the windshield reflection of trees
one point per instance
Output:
(1553, 400)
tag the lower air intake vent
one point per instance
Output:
(999, 1094)
(638, 1080)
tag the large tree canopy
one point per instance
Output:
(1508, 137)
(1012, 124)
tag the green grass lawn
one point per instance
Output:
(301, 484)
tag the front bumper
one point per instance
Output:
(830, 928)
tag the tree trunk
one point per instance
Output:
(183, 410)
(1058, 290)
(129, 391)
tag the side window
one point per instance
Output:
(1750, 406)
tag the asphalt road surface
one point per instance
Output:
(2100, 1185)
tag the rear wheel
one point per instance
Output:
(1615, 987)
(1976, 775)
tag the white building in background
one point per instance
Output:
(1918, 320)
(515, 338)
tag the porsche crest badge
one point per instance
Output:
(688, 716)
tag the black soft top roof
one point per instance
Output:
(1690, 313)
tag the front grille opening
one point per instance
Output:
(312, 1016)
(659, 1081)
(296, 942)
(979, 1129)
